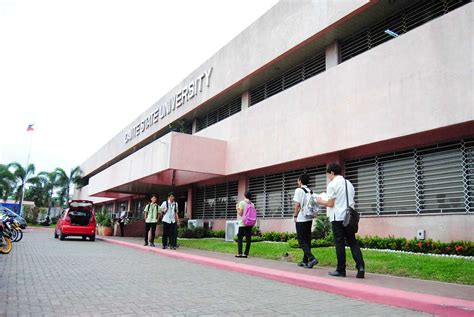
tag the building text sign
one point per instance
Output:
(178, 99)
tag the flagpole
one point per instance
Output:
(26, 175)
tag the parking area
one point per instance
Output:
(44, 276)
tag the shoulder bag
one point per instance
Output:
(352, 217)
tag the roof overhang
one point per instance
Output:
(176, 159)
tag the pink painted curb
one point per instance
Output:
(442, 306)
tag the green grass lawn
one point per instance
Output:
(408, 265)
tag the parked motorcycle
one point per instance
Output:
(14, 228)
(5, 240)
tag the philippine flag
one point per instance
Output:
(30, 128)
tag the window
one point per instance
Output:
(311, 67)
(430, 180)
(273, 193)
(215, 201)
(225, 111)
(400, 23)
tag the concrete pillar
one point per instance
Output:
(130, 204)
(332, 55)
(189, 205)
(245, 100)
(243, 186)
(194, 128)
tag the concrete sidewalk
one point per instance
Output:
(428, 296)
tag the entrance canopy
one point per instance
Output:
(176, 159)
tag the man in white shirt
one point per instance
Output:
(336, 210)
(169, 209)
(303, 223)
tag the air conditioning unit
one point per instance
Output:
(231, 229)
(195, 223)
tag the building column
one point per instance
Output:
(245, 100)
(332, 55)
(194, 127)
(243, 186)
(189, 205)
(130, 204)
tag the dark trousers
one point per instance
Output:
(148, 226)
(247, 231)
(122, 228)
(303, 233)
(342, 235)
(169, 233)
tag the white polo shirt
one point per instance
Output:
(299, 197)
(169, 216)
(336, 190)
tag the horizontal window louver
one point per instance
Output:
(430, 180)
(273, 193)
(307, 69)
(215, 201)
(228, 109)
(402, 22)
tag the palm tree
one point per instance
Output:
(22, 175)
(66, 181)
(7, 180)
(51, 181)
(38, 191)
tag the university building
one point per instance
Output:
(385, 88)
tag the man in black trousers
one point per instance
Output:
(337, 190)
(303, 223)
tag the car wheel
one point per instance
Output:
(92, 237)
(55, 234)
(84, 238)
(62, 236)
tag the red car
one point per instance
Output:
(77, 220)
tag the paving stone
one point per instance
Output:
(48, 277)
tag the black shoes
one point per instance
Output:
(311, 263)
(146, 243)
(360, 273)
(152, 245)
(164, 247)
(302, 264)
(240, 256)
(337, 274)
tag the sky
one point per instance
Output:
(80, 71)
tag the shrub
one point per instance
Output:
(465, 248)
(318, 243)
(199, 233)
(321, 228)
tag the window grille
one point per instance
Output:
(429, 180)
(225, 111)
(215, 201)
(273, 193)
(402, 22)
(309, 68)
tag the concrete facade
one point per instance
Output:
(414, 90)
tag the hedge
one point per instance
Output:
(199, 233)
(464, 248)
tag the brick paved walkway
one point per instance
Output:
(43, 276)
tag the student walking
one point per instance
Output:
(337, 190)
(151, 219)
(121, 221)
(303, 223)
(247, 217)
(169, 209)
